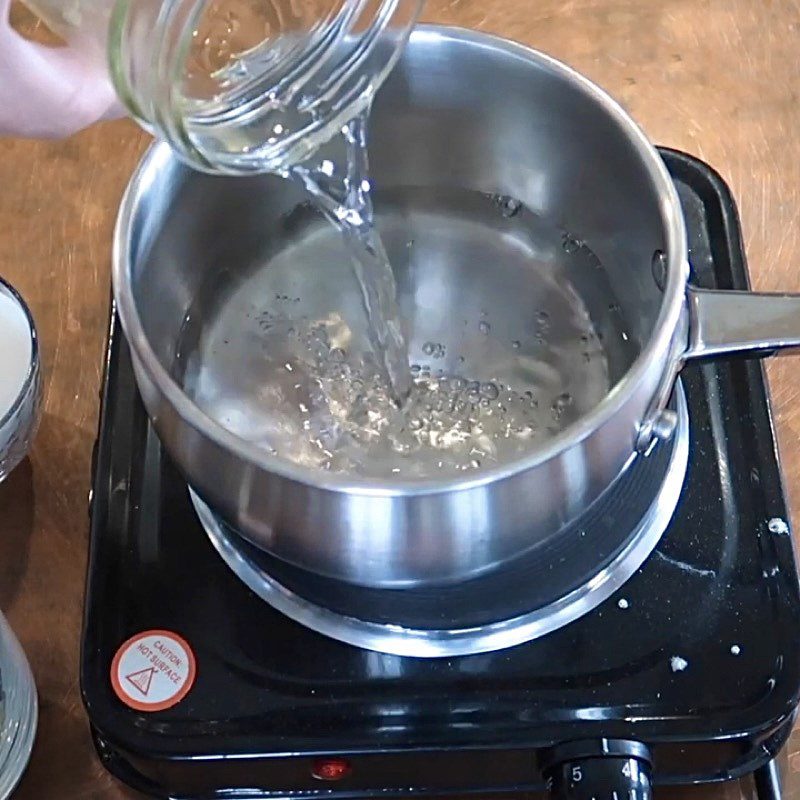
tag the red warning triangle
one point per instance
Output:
(142, 679)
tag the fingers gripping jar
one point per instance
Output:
(240, 86)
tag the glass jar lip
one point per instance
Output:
(334, 61)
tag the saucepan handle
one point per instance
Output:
(728, 322)
(721, 323)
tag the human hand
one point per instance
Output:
(49, 92)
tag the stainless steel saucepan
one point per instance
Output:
(462, 116)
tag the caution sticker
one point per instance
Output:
(153, 671)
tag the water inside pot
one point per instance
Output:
(281, 355)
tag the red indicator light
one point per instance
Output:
(331, 769)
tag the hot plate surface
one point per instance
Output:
(697, 655)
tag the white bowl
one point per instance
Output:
(20, 379)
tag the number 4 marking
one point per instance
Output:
(626, 770)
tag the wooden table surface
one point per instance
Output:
(717, 78)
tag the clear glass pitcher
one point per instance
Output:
(18, 710)
(239, 86)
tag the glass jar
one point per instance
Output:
(240, 86)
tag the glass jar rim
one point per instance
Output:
(344, 62)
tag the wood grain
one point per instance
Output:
(717, 78)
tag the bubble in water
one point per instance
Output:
(570, 243)
(484, 327)
(415, 369)
(523, 431)
(457, 384)
(531, 398)
(489, 390)
(563, 400)
(434, 349)
(402, 448)
(516, 344)
(509, 206)
(560, 404)
(475, 463)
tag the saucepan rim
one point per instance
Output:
(657, 349)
